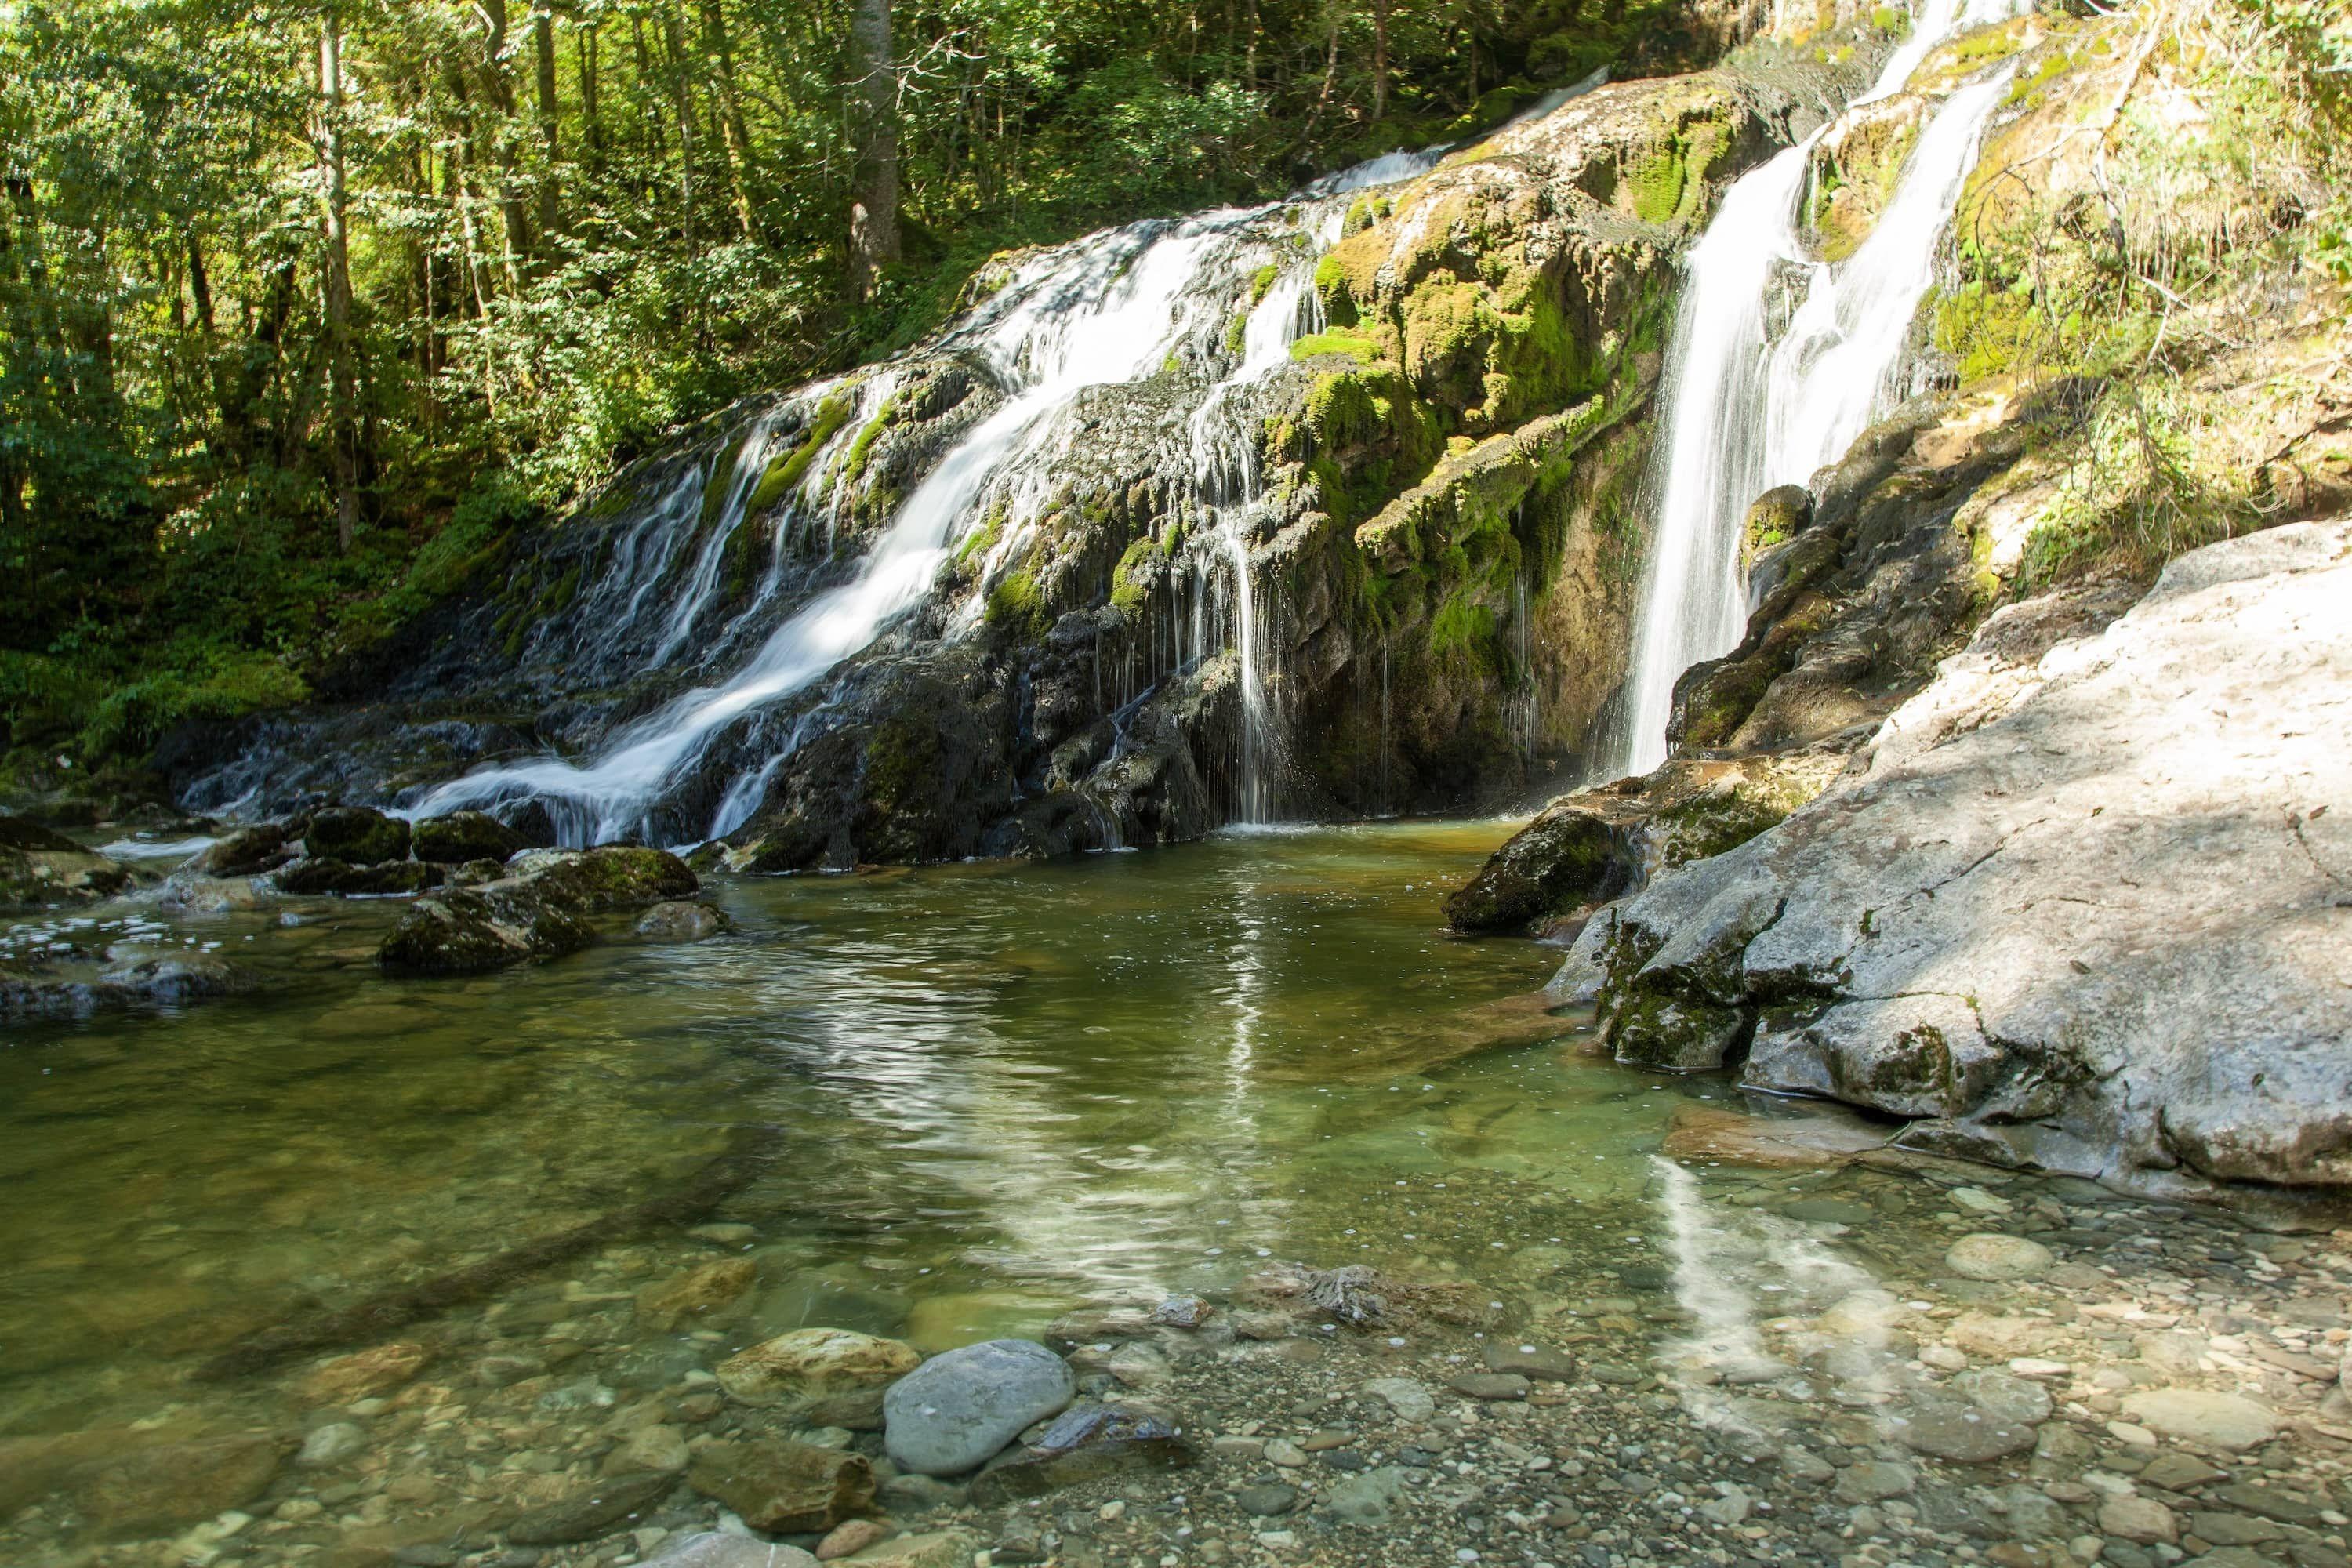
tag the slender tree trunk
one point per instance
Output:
(737, 136)
(343, 423)
(587, 47)
(682, 103)
(551, 190)
(1249, 49)
(873, 195)
(1379, 58)
(1331, 76)
(512, 207)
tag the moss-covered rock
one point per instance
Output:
(609, 876)
(471, 930)
(464, 835)
(358, 834)
(1566, 857)
(246, 852)
(40, 867)
(323, 873)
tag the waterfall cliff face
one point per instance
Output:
(1324, 507)
(1748, 407)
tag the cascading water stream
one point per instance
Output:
(1104, 309)
(1226, 478)
(1095, 312)
(1745, 413)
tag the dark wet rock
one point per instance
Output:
(357, 834)
(1563, 858)
(1541, 1363)
(676, 921)
(1093, 1422)
(953, 1411)
(247, 852)
(469, 931)
(607, 1506)
(324, 875)
(782, 1487)
(464, 835)
(1030, 1472)
(1267, 1499)
(1491, 1386)
(610, 877)
(542, 910)
(40, 867)
(170, 980)
(1946, 1426)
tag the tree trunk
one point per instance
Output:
(1379, 58)
(551, 191)
(343, 423)
(500, 91)
(682, 103)
(730, 114)
(585, 43)
(874, 194)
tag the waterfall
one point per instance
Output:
(1745, 413)
(1111, 307)
(1100, 310)
(1228, 483)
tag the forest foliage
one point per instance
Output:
(306, 304)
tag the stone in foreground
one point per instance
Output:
(956, 1410)
(2201, 1416)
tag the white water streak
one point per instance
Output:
(1745, 414)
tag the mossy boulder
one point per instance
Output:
(247, 852)
(611, 876)
(1778, 516)
(471, 930)
(323, 873)
(464, 835)
(358, 835)
(39, 867)
(1567, 856)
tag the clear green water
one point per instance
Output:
(998, 1090)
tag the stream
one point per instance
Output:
(1002, 1089)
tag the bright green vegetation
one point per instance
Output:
(567, 233)
(1016, 606)
(1335, 341)
(2158, 283)
(784, 473)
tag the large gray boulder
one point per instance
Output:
(957, 1410)
(2089, 909)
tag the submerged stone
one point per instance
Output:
(784, 1487)
(600, 1508)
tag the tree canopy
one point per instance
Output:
(305, 302)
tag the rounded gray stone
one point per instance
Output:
(956, 1411)
(1991, 1257)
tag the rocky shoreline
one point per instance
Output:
(1945, 1366)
